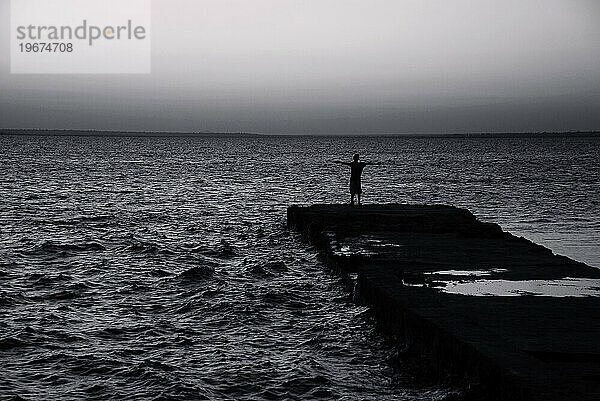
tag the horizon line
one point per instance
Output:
(110, 132)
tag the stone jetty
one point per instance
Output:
(404, 259)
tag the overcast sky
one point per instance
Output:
(336, 66)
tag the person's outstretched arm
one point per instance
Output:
(373, 163)
(341, 162)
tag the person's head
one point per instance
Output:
(356, 156)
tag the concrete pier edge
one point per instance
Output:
(504, 374)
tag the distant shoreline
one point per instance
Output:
(112, 133)
(67, 132)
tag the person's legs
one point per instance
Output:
(354, 190)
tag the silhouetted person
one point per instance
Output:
(356, 169)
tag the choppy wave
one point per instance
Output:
(174, 277)
(63, 249)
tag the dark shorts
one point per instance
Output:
(355, 187)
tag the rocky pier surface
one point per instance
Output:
(515, 346)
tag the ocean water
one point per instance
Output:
(161, 268)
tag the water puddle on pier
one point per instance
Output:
(352, 247)
(469, 273)
(567, 287)
(363, 246)
(346, 250)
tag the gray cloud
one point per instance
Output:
(336, 66)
